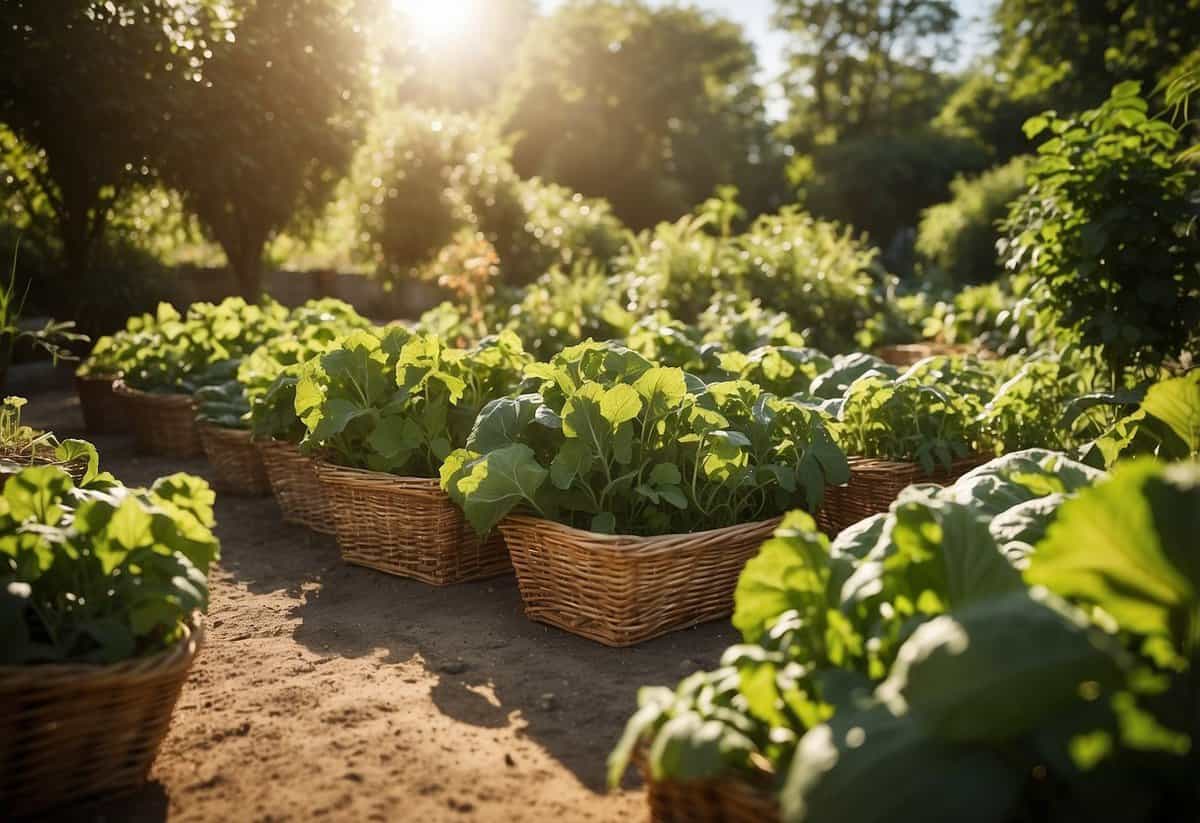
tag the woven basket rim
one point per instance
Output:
(224, 431)
(633, 540)
(379, 478)
(169, 399)
(859, 463)
(177, 655)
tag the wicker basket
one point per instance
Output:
(12, 463)
(103, 411)
(293, 478)
(77, 732)
(875, 484)
(236, 462)
(621, 589)
(706, 801)
(407, 526)
(907, 354)
(163, 424)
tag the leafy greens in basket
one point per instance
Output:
(400, 403)
(103, 573)
(614, 443)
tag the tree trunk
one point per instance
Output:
(247, 267)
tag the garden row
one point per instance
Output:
(627, 483)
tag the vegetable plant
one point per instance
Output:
(615, 443)
(823, 623)
(911, 418)
(99, 576)
(400, 403)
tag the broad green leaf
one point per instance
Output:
(790, 572)
(573, 460)
(501, 481)
(619, 404)
(1177, 404)
(36, 493)
(869, 766)
(72, 450)
(1023, 658)
(1128, 545)
(688, 747)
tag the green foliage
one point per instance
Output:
(1073, 59)
(862, 67)
(394, 402)
(908, 419)
(562, 307)
(270, 128)
(781, 370)
(881, 183)
(223, 404)
(100, 576)
(824, 624)
(1028, 409)
(650, 108)
(1105, 706)
(53, 338)
(616, 443)
(77, 77)
(956, 240)
(175, 354)
(817, 274)
(269, 374)
(1109, 228)
(821, 274)
(1166, 425)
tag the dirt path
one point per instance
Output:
(335, 692)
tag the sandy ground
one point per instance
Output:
(328, 691)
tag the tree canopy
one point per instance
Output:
(651, 108)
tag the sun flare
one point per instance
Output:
(437, 20)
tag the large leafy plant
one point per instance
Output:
(1030, 706)
(400, 403)
(615, 443)
(180, 354)
(269, 374)
(925, 416)
(1109, 228)
(1166, 425)
(823, 623)
(101, 574)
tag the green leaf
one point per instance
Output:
(604, 523)
(619, 404)
(869, 766)
(1177, 404)
(498, 483)
(1023, 658)
(790, 573)
(1128, 545)
(573, 460)
(70, 451)
(688, 747)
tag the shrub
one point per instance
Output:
(956, 241)
(1109, 226)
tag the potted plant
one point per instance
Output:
(269, 376)
(631, 494)
(383, 410)
(101, 588)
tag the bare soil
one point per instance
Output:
(328, 691)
